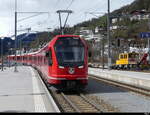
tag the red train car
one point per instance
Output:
(63, 62)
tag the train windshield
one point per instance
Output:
(69, 51)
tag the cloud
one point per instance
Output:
(5, 26)
(7, 8)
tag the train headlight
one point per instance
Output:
(71, 70)
(80, 67)
(61, 67)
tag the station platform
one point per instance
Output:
(23, 91)
(138, 79)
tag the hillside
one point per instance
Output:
(7, 44)
(101, 21)
(22, 39)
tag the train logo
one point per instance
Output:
(71, 70)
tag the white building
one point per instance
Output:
(139, 17)
(90, 35)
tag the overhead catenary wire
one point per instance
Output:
(57, 2)
(29, 17)
(35, 15)
(82, 11)
(70, 4)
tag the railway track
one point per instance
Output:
(81, 102)
(77, 102)
(137, 89)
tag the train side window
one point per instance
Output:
(49, 57)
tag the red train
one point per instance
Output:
(63, 62)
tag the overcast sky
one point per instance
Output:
(50, 20)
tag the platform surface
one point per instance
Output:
(22, 91)
(134, 78)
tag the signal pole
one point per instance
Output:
(108, 36)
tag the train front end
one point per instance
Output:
(70, 66)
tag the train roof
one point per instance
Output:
(57, 36)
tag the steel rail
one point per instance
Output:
(87, 103)
(69, 101)
(91, 102)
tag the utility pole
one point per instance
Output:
(15, 70)
(108, 36)
(103, 52)
(60, 19)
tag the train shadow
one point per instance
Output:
(95, 87)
